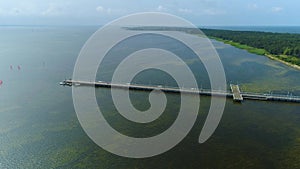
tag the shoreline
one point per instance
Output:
(282, 61)
(257, 51)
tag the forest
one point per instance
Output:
(284, 46)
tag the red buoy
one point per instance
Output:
(1, 82)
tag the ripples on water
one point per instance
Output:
(39, 128)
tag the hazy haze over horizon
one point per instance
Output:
(199, 12)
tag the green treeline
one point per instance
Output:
(274, 43)
(284, 46)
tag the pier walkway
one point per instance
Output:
(235, 93)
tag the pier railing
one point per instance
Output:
(235, 92)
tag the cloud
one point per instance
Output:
(161, 8)
(276, 9)
(103, 10)
(185, 10)
(53, 10)
(100, 9)
(252, 6)
(213, 11)
(108, 10)
(17, 11)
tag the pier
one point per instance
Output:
(235, 93)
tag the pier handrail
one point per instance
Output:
(202, 91)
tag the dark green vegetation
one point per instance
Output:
(282, 46)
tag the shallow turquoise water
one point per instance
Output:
(39, 128)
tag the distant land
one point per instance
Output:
(274, 29)
(283, 47)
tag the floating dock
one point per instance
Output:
(235, 93)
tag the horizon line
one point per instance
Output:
(3, 25)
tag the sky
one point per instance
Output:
(199, 12)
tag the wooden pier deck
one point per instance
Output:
(235, 93)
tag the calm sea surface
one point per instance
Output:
(39, 128)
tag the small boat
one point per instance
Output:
(62, 83)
